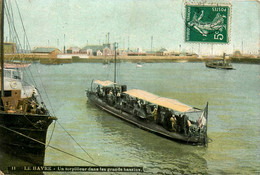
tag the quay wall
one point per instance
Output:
(49, 59)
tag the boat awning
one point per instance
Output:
(104, 83)
(161, 101)
(147, 96)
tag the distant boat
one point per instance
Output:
(23, 119)
(220, 64)
(16, 65)
(139, 65)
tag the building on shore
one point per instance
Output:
(46, 52)
(10, 48)
(92, 50)
(162, 52)
(97, 50)
(73, 50)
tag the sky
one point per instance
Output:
(85, 22)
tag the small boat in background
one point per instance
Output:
(220, 64)
(139, 65)
(16, 65)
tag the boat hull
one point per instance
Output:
(21, 136)
(210, 65)
(144, 124)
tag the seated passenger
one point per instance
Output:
(32, 107)
(165, 115)
(148, 110)
(179, 123)
(11, 109)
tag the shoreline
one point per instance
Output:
(133, 59)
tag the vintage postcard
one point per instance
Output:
(129, 87)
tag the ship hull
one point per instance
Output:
(144, 124)
(24, 136)
(210, 65)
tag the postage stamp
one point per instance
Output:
(207, 23)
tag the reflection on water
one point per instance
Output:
(234, 125)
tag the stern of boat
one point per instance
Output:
(203, 126)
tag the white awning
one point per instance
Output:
(161, 101)
(104, 83)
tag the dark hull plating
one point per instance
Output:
(144, 124)
(211, 65)
(32, 126)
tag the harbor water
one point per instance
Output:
(233, 127)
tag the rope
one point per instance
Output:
(51, 134)
(75, 140)
(13, 26)
(23, 25)
(30, 49)
(46, 95)
(45, 145)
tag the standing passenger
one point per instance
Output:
(154, 113)
(173, 122)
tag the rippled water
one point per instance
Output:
(234, 117)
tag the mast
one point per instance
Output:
(116, 46)
(151, 43)
(64, 45)
(128, 45)
(2, 48)
(242, 47)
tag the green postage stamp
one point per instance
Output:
(207, 23)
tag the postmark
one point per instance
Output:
(207, 23)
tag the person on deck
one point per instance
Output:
(173, 123)
(154, 113)
(110, 97)
(98, 91)
(167, 115)
(41, 109)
